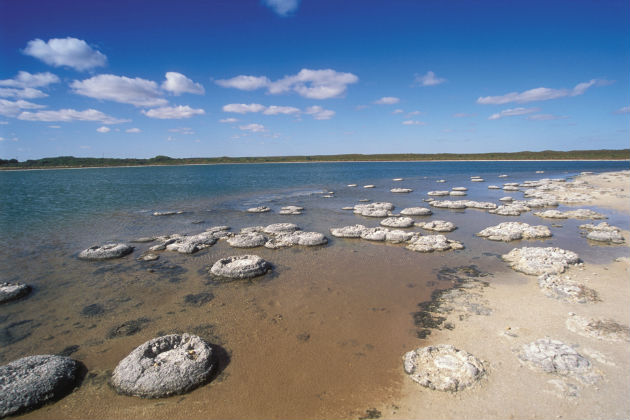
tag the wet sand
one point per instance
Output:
(323, 335)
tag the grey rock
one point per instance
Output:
(397, 236)
(105, 252)
(430, 243)
(12, 291)
(368, 186)
(512, 209)
(291, 210)
(378, 234)
(438, 193)
(30, 382)
(482, 205)
(564, 288)
(510, 231)
(284, 240)
(376, 209)
(599, 328)
(506, 199)
(494, 187)
(571, 214)
(149, 257)
(603, 232)
(477, 180)
(398, 222)
(447, 204)
(168, 365)
(167, 213)
(259, 209)
(240, 267)
(401, 190)
(416, 211)
(443, 367)
(553, 356)
(457, 193)
(437, 226)
(193, 243)
(538, 261)
(510, 188)
(278, 228)
(348, 231)
(247, 240)
(459, 189)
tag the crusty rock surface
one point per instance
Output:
(240, 267)
(448, 204)
(376, 209)
(510, 231)
(537, 260)
(437, 226)
(283, 240)
(259, 209)
(105, 252)
(457, 193)
(563, 287)
(401, 190)
(443, 367)
(12, 291)
(278, 228)
(291, 210)
(399, 222)
(32, 381)
(603, 232)
(416, 211)
(348, 231)
(599, 328)
(512, 209)
(247, 240)
(438, 193)
(430, 243)
(168, 365)
(571, 214)
(378, 234)
(553, 356)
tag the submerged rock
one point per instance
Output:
(601, 329)
(538, 261)
(291, 210)
(32, 381)
(240, 267)
(168, 365)
(564, 288)
(443, 367)
(416, 211)
(348, 231)
(603, 232)
(437, 226)
(399, 222)
(432, 243)
(510, 231)
(105, 252)
(12, 291)
(259, 209)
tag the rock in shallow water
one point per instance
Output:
(12, 291)
(510, 231)
(399, 222)
(105, 252)
(240, 267)
(416, 211)
(538, 261)
(283, 240)
(564, 288)
(31, 381)
(168, 365)
(603, 232)
(443, 367)
(247, 240)
(432, 243)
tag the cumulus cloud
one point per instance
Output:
(429, 79)
(513, 112)
(103, 129)
(541, 94)
(173, 112)
(26, 93)
(243, 108)
(275, 110)
(319, 113)
(312, 84)
(244, 82)
(70, 52)
(387, 100)
(413, 122)
(67, 115)
(177, 84)
(133, 130)
(138, 92)
(13, 108)
(24, 83)
(282, 7)
(228, 120)
(254, 128)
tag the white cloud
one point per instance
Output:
(244, 82)
(54, 126)
(103, 129)
(243, 108)
(170, 112)
(254, 128)
(133, 130)
(282, 7)
(540, 94)
(398, 111)
(428, 79)
(182, 130)
(546, 117)
(463, 115)
(67, 115)
(70, 52)
(26, 93)
(413, 122)
(275, 110)
(312, 84)
(513, 112)
(319, 113)
(13, 108)
(387, 100)
(138, 92)
(177, 84)
(228, 120)
(624, 110)
(25, 79)
(414, 113)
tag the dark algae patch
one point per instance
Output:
(371, 413)
(128, 328)
(94, 309)
(198, 299)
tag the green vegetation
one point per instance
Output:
(74, 162)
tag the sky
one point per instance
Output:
(108, 78)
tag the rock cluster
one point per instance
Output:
(401, 190)
(603, 232)
(376, 209)
(12, 291)
(432, 243)
(416, 211)
(291, 210)
(32, 381)
(564, 288)
(511, 231)
(538, 261)
(168, 365)
(240, 267)
(437, 226)
(277, 235)
(189, 244)
(259, 209)
(438, 193)
(571, 214)
(463, 204)
(398, 222)
(443, 367)
(105, 252)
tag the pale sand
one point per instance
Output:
(512, 390)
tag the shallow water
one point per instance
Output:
(320, 336)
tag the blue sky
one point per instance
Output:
(289, 77)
